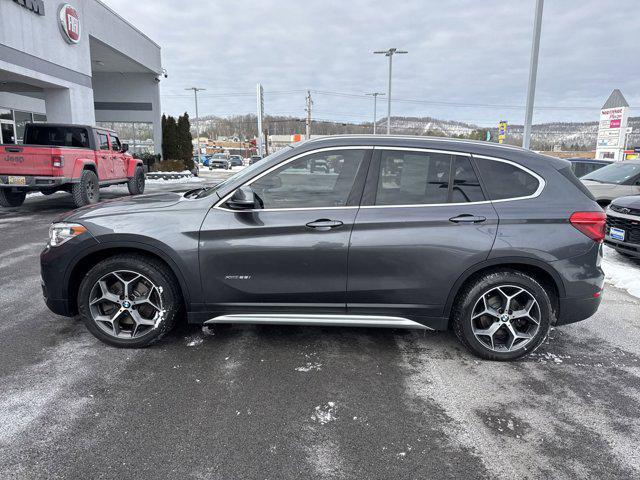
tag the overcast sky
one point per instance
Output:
(460, 52)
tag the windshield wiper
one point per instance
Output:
(193, 193)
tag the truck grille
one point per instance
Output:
(631, 227)
(625, 210)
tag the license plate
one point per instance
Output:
(616, 233)
(17, 180)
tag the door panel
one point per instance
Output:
(118, 158)
(424, 221)
(273, 260)
(103, 154)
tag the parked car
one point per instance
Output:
(616, 180)
(495, 242)
(623, 225)
(78, 159)
(219, 160)
(583, 166)
(254, 159)
(236, 160)
(205, 160)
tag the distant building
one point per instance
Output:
(612, 131)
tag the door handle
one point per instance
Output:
(324, 224)
(466, 218)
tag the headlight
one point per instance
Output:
(61, 232)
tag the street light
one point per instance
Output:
(375, 101)
(389, 53)
(195, 93)
(533, 72)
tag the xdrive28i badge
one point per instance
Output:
(70, 23)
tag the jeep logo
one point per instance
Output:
(36, 6)
(14, 159)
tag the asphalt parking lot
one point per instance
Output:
(274, 402)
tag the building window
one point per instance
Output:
(6, 114)
(138, 135)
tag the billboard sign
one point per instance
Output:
(502, 131)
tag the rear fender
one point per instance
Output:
(83, 164)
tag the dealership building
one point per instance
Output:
(77, 62)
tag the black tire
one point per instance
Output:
(87, 190)
(136, 183)
(12, 198)
(154, 270)
(476, 289)
(48, 191)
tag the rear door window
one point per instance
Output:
(504, 180)
(103, 141)
(466, 186)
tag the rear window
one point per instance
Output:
(504, 180)
(57, 136)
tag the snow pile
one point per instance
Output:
(621, 272)
(309, 366)
(164, 181)
(324, 413)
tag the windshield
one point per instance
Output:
(614, 173)
(220, 155)
(245, 173)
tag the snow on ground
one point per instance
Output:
(621, 271)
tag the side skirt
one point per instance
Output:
(319, 320)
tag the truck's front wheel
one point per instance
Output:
(12, 198)
(136, 183)
(87, 190)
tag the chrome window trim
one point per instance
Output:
(282, 164)
(541, 182)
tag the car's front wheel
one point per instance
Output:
(503, 315)
(129, 301)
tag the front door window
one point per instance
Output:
(317, 180)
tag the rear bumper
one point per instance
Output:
(576, 309)
(33, 182)
(627, 248)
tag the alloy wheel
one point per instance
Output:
(125, 304)
(506, 318)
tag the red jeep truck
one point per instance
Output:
(78, 159)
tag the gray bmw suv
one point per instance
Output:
(494, 242)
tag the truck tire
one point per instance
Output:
(136, 183)
(9, 198)
(87, 190)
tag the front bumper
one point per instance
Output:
(627, 248)
(56, 266)
(35, 182)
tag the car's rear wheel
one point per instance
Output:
(137, 182)
(503, 315)
(129, 301)
(87, 190)
(12, 198)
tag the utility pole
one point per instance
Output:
(260, 101)
(533, 73)
(195, 93)
(389, 53)
(375, 101)
(308, 110)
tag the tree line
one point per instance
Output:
(177, 140)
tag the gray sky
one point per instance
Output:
(460, 51)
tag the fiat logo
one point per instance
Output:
(70, 23)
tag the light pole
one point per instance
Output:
(389, 53)
(195, 93)
(533, 72)
(375, 101)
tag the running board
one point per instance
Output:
(319, 320)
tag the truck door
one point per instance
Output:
(119, 158)
(104, 157)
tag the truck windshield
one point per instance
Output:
(56, 136)
(615, 173)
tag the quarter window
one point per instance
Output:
(323, 179)
(503, 180)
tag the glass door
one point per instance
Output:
(7, 132)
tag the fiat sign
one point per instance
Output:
(70, 23)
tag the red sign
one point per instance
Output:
(614, 123)
(70, 23)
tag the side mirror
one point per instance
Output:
(125, 147)
(242, 199)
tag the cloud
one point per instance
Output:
(461, 51)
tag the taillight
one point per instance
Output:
(592, 224)
(57, 160)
